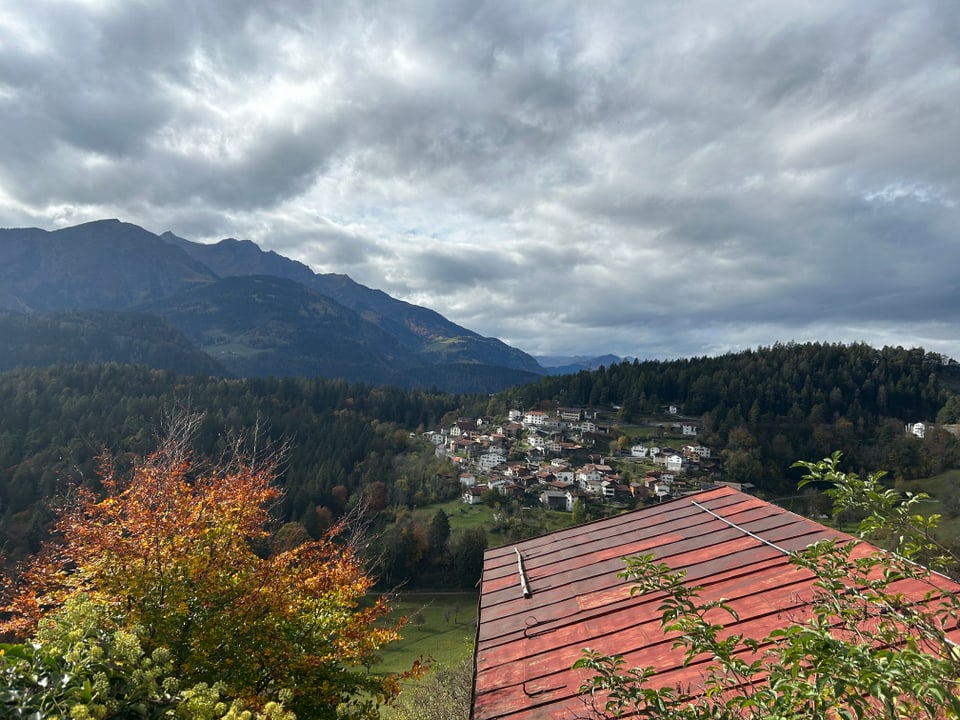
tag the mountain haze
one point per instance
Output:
(255, 313)
(567, 365)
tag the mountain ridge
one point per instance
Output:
(254, 312)
(414, 326)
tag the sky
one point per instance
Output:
(650, 178)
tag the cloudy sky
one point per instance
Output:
(654, 178)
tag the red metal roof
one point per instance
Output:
(732, 544)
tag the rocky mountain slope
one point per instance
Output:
(254, 313)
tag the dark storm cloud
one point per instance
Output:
(657, 178)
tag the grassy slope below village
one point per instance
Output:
(441, 627)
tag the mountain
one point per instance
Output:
(432, 336)
(99, 336)
(254, 313)
(104, 265)
(262, 325)
(567, 365)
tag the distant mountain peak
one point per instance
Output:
(294, 329)
(567, 364)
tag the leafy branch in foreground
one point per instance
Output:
(888, 518)
(857, 649)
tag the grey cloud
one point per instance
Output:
(634, 177)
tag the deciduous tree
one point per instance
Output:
(76, 667)
(172, 548)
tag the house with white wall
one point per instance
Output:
(695, 451)
(473, 495)
(564, 474)
(490, 460)
(534, 418)
(919, 429)
(586, 475)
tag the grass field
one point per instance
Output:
(441, 626)
(461, 516)
(467, 516)
(949, 529)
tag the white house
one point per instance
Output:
(588, 474)
(473, 495)
(688, 429)
(490, 460)
(462, 428)
(593, 487)
(700, 451)
(639, 451)
(534, 418)
(919, 429)
(564, 475)
(661, 490)
(570, 414)
(553, 423)
(468, 479)
(514, 415)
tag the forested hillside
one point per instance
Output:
(768, 407)
(343, 439)
(759, 411)
(99, 336)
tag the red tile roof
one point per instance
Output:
(733, 544)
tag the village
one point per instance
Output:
(563, 456)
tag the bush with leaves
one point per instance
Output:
(175, 549)
(75, 667)
(861, 650)
(444, 693)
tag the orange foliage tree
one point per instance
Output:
(172, 548)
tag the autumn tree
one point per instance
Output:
(179, 549)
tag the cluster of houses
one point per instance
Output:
(548, 455)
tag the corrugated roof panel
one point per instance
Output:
(734, 545)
